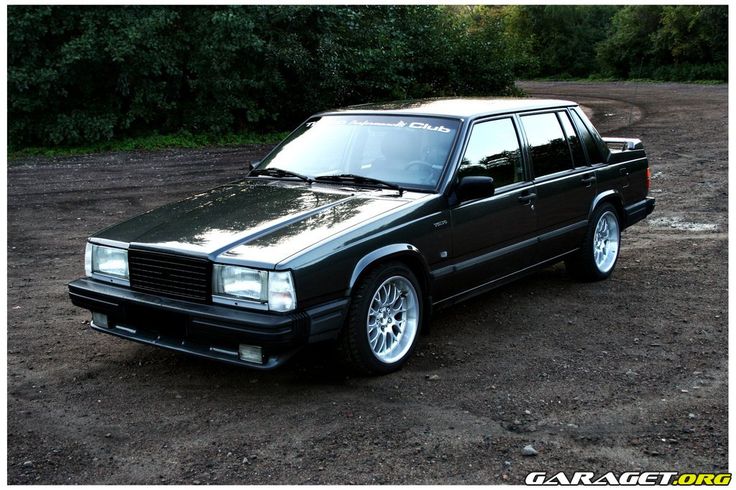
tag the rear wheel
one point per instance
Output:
(597, 258)
(384, 320)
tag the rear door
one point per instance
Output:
(565, 183)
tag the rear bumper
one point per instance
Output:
(639, 210)
(206, 330)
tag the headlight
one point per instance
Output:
(272, 290)
(239, 282)
(107, 261)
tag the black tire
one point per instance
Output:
(354, 347)
(582, 265)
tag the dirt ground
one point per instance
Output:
(625, 374)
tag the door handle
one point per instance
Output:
(527, 198)
(588, 180)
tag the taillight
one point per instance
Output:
(649, 178)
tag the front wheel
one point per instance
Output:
(384, 320)
(597, 257)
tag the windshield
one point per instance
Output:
(404, 150)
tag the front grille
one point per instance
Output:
(175, 276)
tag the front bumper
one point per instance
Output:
(206, 330)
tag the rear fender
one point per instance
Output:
(610, 195)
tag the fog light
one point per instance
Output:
(250, 353)
(99, 319)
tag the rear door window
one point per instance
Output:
(547, 144)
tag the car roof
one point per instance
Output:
(455, 107)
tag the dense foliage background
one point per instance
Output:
(79, 75)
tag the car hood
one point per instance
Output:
(256, 222)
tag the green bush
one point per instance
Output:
(80, 75)
(665, 42)
(560, 39)
(687, 72)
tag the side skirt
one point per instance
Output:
(488, 286)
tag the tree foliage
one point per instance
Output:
(83, 75)
(560, 40)
(668, 42)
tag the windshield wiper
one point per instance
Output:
(279, 172)
(359, 179)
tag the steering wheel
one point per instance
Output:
(430, 173)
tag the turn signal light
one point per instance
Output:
(649, 178)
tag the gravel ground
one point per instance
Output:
(625, 374)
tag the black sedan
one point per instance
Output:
(360, 223)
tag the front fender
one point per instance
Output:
(393, 250)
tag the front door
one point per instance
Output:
(494, 236)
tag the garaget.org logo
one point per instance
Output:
(628, 478)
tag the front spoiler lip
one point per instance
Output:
(200, 350)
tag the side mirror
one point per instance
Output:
(474, 187)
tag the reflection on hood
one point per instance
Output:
(264, 221)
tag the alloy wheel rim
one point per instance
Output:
(393, 317)
(606, 242)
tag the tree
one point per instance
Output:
(80, 75)
(683, 42)
(561, 38)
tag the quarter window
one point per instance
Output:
(572, 139)
(549, 150)
(594, 153)
(493, 151)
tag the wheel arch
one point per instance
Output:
(403, 252)
(614, 197)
